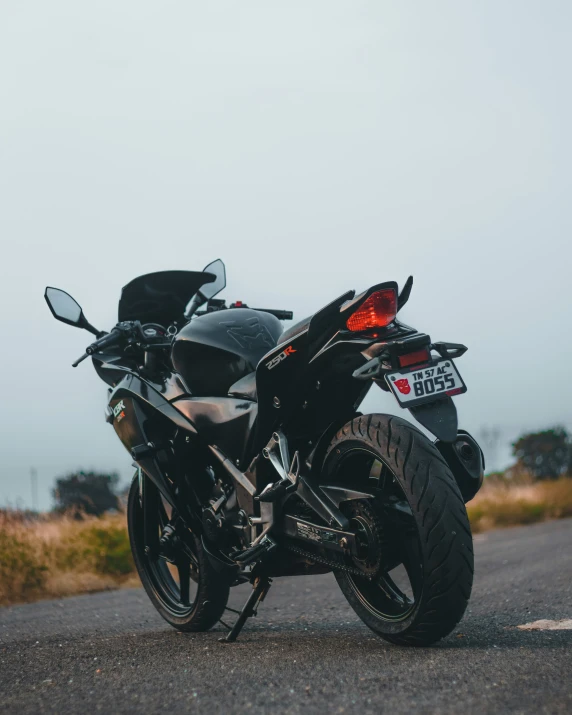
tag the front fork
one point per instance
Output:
(149, 501)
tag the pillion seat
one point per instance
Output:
(295, 330)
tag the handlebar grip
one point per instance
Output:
(280, 314)
(109, 339)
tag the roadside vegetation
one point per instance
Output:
(47, 556)
(500, 504)
(537, 487)
(81, 546)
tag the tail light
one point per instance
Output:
(377, 311)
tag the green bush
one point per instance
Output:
(22, 573)
(51, 556)
(109, 548)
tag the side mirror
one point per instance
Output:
(209, 290)
(66, 309)
(217, 271)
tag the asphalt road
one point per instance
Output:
(306, 651)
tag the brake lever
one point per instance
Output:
(81, 359)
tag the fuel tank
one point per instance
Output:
(215, 350)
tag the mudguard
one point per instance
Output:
(439, 417)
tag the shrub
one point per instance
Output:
(22, 571)
(499, 504)
(107, 547)
(60, 555)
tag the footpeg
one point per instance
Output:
(277, 452)
(257, 552)
(274, 491)
(145, 451)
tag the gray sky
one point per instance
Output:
(315, 147)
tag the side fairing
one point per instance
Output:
(140, 416)
(225, 422)
(281, 382)
(282, 376)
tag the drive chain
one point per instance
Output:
(326, 562)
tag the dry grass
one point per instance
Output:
(501, 504)
(54, 556)
(58, 556)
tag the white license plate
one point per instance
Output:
(414, 385)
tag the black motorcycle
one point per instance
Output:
(253, 462)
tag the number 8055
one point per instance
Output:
(431, 385)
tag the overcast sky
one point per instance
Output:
(315, 147)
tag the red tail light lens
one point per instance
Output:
(414, 358)
(377, 311)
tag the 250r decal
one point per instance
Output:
(282, 356)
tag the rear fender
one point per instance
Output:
(439, 417)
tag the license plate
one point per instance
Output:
(415, 385)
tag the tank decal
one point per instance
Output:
(249, 334)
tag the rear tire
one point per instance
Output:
(430, 523)
(159, 579)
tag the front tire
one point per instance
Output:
(417, 523)
(187, 592)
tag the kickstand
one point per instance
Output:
(260, 588)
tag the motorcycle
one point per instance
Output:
(253, 461)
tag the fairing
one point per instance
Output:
(224, 421)
(160, 297)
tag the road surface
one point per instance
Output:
(307, 651)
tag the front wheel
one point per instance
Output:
(414, 538)
(173, 567)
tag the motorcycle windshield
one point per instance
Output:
(161, 297)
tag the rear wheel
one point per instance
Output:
(414, 538)
(173, 567)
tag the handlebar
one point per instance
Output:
(280, 314)
(110, 339)
(127, 330)
(131, 331)
(215, 306)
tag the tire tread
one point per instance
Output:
(441, 518)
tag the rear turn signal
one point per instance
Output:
(377, 311)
